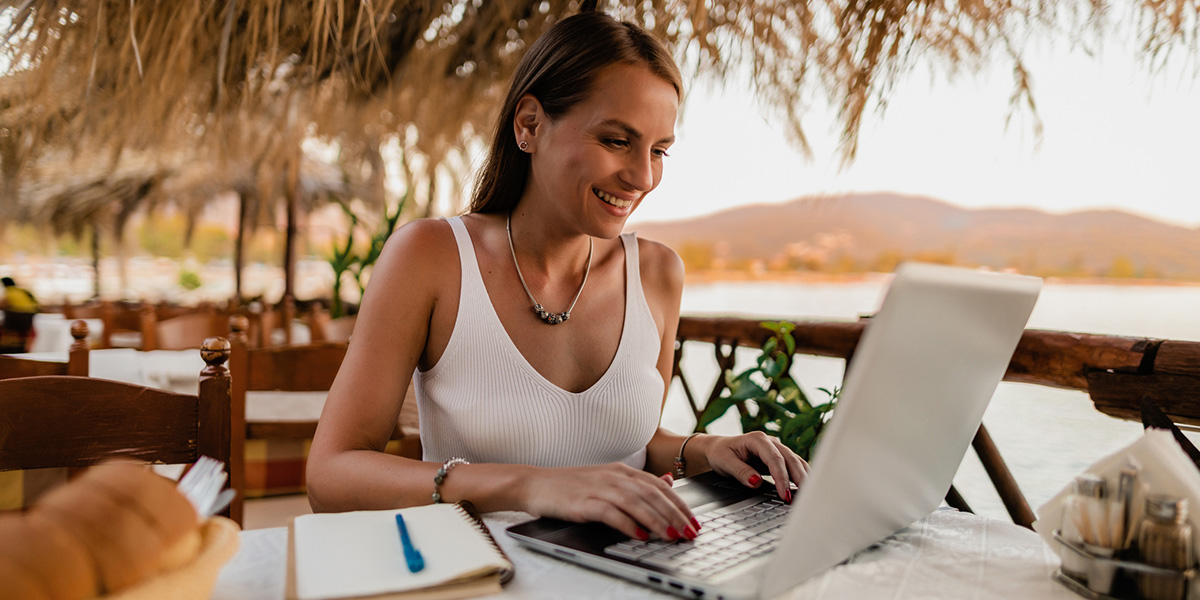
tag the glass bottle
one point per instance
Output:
(1165, 540)
(1080, 512)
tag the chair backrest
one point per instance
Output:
(325, 329)
(67, 421)
(182, 332)
(77, 362)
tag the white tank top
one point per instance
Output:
(484, 402)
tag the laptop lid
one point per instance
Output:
(914, 394)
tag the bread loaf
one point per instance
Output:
(50, 555)
(158, 502)
(17, 583)
(124, 547)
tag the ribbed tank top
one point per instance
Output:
(484, 402)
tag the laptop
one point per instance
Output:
(914, 394)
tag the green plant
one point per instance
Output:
(189, 280)
(770, 400)
(345, 259)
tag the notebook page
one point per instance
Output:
(341, 555)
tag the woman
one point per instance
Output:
(557, 408)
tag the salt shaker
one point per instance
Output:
(1165, 540)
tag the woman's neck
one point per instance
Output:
(546, 245)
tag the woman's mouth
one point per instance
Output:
(611, 199)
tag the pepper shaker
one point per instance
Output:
(1165, 540)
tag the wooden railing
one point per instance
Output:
(1118, 373)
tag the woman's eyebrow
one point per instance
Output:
(631, 131)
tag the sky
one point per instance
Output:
(1115, 136)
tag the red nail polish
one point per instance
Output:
(689, 532)
(755, 480)
(641, 534)
(788, 496)
(672, 534)
(695, 523)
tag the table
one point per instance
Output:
(947, 554)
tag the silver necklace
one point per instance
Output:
(548, 317)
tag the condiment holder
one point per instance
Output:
(1104, 577)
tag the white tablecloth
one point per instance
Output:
(948, 555)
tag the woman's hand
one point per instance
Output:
(633, 502)
(730, 455)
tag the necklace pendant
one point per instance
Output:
(549, 317)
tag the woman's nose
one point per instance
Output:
(639, 172)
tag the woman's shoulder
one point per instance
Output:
(426, 235)
(420, 245)
(659, 263)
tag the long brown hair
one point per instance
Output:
(559, 71)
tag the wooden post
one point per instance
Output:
(95, 260)
(230, 422)
(148, 324)
(77, 360)
(292, 190)
(239, 251)
(1006, 485)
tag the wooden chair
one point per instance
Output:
(182, 332)
(307, 368)
(102, 310)
(325, 329)
(76, 365)
(67, 421)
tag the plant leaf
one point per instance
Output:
(714, 410)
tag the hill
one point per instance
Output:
(872, 232)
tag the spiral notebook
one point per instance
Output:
(342, 556)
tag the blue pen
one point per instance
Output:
(412, 556)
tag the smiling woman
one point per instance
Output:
(553, 411)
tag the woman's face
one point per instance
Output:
(597, 161)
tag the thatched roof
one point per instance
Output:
(71, 193)
(251, 78)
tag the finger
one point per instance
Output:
(670, 506)
(609, 514)
(636, 500)
(773, 458)
(797, 468)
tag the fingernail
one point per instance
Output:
(641, 534)
(672, 534)
(689, 532)
(787, 495)
(695, 523)
(755, 480)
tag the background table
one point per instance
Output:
(948, 555)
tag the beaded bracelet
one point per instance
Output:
(681, 463)
(441, 476)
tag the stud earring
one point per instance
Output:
(524, 146)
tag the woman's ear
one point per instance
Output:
(527, 123)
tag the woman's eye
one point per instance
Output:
(616, 143)
(659, 152)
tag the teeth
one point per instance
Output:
(613, 200)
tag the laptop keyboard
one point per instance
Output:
(729, 536)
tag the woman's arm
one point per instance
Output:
(727, 455)
(347, 468)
